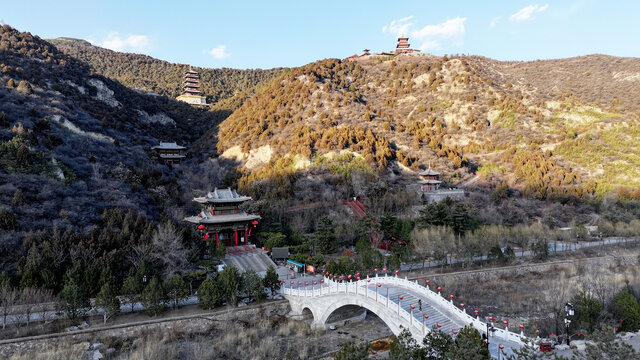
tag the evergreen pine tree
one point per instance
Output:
(209, 294)
(271, 280)
(468, 345)
(131, 290)
(324, 236)
(108, 301)
(73, 295)
(153, 297)
(176, 289)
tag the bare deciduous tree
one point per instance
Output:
(8, 298)
(168, 251)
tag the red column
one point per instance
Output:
(246, 237)
(217, 239)
(235, 232)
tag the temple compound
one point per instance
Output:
(191, 89)
(223, 219)
(429, 188)
(170, 152)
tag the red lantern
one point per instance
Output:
(427, 282)
(438, 325)
(376, 270)
(501, 347)
(384, 270)
(490, 318)
(358, 278)
(315, 283)
(284, 281)
(358, 274)
(306, 284)
(521, 326)
(579, 334)
(451, 297)
(379, 285)
(426, 316)
(396, 272)
(505, 322)
(401, 297)
(412, 307)
(461, 305)
(349, 277)
(454, 332)
(476, 312)
(368, 280)
(439, 288)
(201, 227)
(321, 281)
(254, 223)
(299, 282)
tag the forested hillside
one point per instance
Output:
(547, 128)
(161, 77)
(76, 165)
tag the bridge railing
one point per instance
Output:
(361, 287)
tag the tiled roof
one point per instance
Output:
(169, 146)
(206, 218)
(222, 196)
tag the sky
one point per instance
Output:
(266, 34)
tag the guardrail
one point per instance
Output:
(327, 287)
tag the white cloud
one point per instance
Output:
(430, 36)
(219, 52)
(398, 27)
(133, 43)
(494, 21)
(527, 12)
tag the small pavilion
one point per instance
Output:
(430, 180)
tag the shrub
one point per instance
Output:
(7, 220)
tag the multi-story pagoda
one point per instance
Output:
(191, 89)
(223, 219)
(430, 180)
(170, 152)
(403, 46)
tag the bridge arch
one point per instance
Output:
(323, 311)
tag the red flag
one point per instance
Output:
(206, 236)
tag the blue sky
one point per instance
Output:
(265, 34)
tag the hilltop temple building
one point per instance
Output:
(191, 89)
(222, 218)
(404, 47)
(170, 152)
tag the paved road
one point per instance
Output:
(554, 247)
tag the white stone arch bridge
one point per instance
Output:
(395, 301)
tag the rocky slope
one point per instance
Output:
(550, 128)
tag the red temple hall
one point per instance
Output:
(222, 219)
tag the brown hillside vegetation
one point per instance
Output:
(162, 77)
(539, 125)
